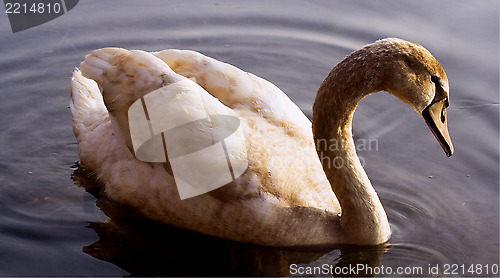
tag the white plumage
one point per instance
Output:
(284, 197)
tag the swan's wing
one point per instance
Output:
(239, 90)
(97, 143)
(281, 149)
(137, 84)
(124, 77)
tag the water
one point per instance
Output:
(442, 210)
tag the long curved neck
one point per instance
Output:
(363, 218)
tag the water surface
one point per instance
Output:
(54, 220)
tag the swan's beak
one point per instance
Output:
(435, 117)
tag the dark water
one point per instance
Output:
(443, 211)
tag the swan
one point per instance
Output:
(290, 194)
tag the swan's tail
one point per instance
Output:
(87, 105)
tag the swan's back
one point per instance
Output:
(283, 198)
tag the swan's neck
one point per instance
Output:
(363, 218)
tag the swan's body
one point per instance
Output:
(284, 198)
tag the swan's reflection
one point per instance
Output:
(146, 248)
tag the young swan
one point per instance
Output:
(285, 197)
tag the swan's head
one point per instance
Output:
(416, 78)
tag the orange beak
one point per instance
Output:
(435, 117)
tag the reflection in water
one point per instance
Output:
(146, 248)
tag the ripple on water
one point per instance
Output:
(426, 230)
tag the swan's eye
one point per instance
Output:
(443, 114)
